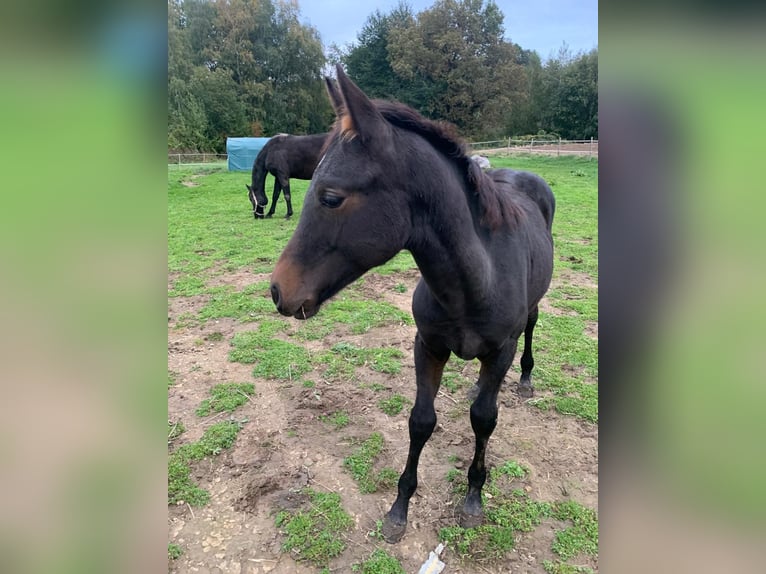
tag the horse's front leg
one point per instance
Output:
(483, 421)
(429, 365)
(274, 197)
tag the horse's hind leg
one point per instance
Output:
(274, 196)
(526, 390)
(483, 422)
(429, 365)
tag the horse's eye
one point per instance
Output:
(331, 200)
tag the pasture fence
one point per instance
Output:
(586, 148)
(543, 146)
(211, 159)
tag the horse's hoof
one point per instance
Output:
(269, 215)
(393, 531)
(259, 216)
(467, 520)
(526, 391)
(288, 216)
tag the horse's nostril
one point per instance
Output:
(275, 294)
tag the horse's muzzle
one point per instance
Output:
(303, 311)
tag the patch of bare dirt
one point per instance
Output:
(285, 445)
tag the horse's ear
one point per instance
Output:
(335, 97)
(360, 118)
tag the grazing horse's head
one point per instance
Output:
(355, 215)
(257, 197)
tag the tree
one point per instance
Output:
(241, 67)
(461, 67)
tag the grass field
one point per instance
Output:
(231, 354)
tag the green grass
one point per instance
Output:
(175, 429)
(252, 303)
(559, 567)
(174, 551)
(226, 397)
(360, 464)
(359, 313)
(315, 534)
(509, 510)
(273, 358)
(393, 405)
(379, 562)
(582, 536)
(180, 485)
(338, 419)
(343, 359)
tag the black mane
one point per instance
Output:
(495, 207)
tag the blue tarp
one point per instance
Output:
(243, 151)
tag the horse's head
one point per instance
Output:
(355, 215)
(258, 198)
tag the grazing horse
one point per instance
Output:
(284, 156)
(389, 180)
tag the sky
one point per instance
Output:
(540, 25)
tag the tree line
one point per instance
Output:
(251, 68)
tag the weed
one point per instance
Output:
(251, 304)
(379, 562)
(174, 551)
(315, 534)
(338, 419)
(564, 568)
(226, 397)
(360, 314)
(400, 288)
(582, 536)
(180, 486)
(215, 337)
(175, 429)
(360, 465)
(453, 474)
(308, 384)
(507, 511)
(273, 358)
(343, 358)
(393, 405)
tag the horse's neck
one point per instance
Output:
(449, 252)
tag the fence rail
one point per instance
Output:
(588, 148)
(192, 159)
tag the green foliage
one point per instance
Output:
(175, 429)
(393, 405)
(379, 562)
(180, 485)
(273, 358)
(360, 465)
(258, 85)
(452, 59)
(582, 536)
(564, 568)
(338, 419)
(315, 534)
(343, 358)
(251, 304)
(174, 551)
(226, 397)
